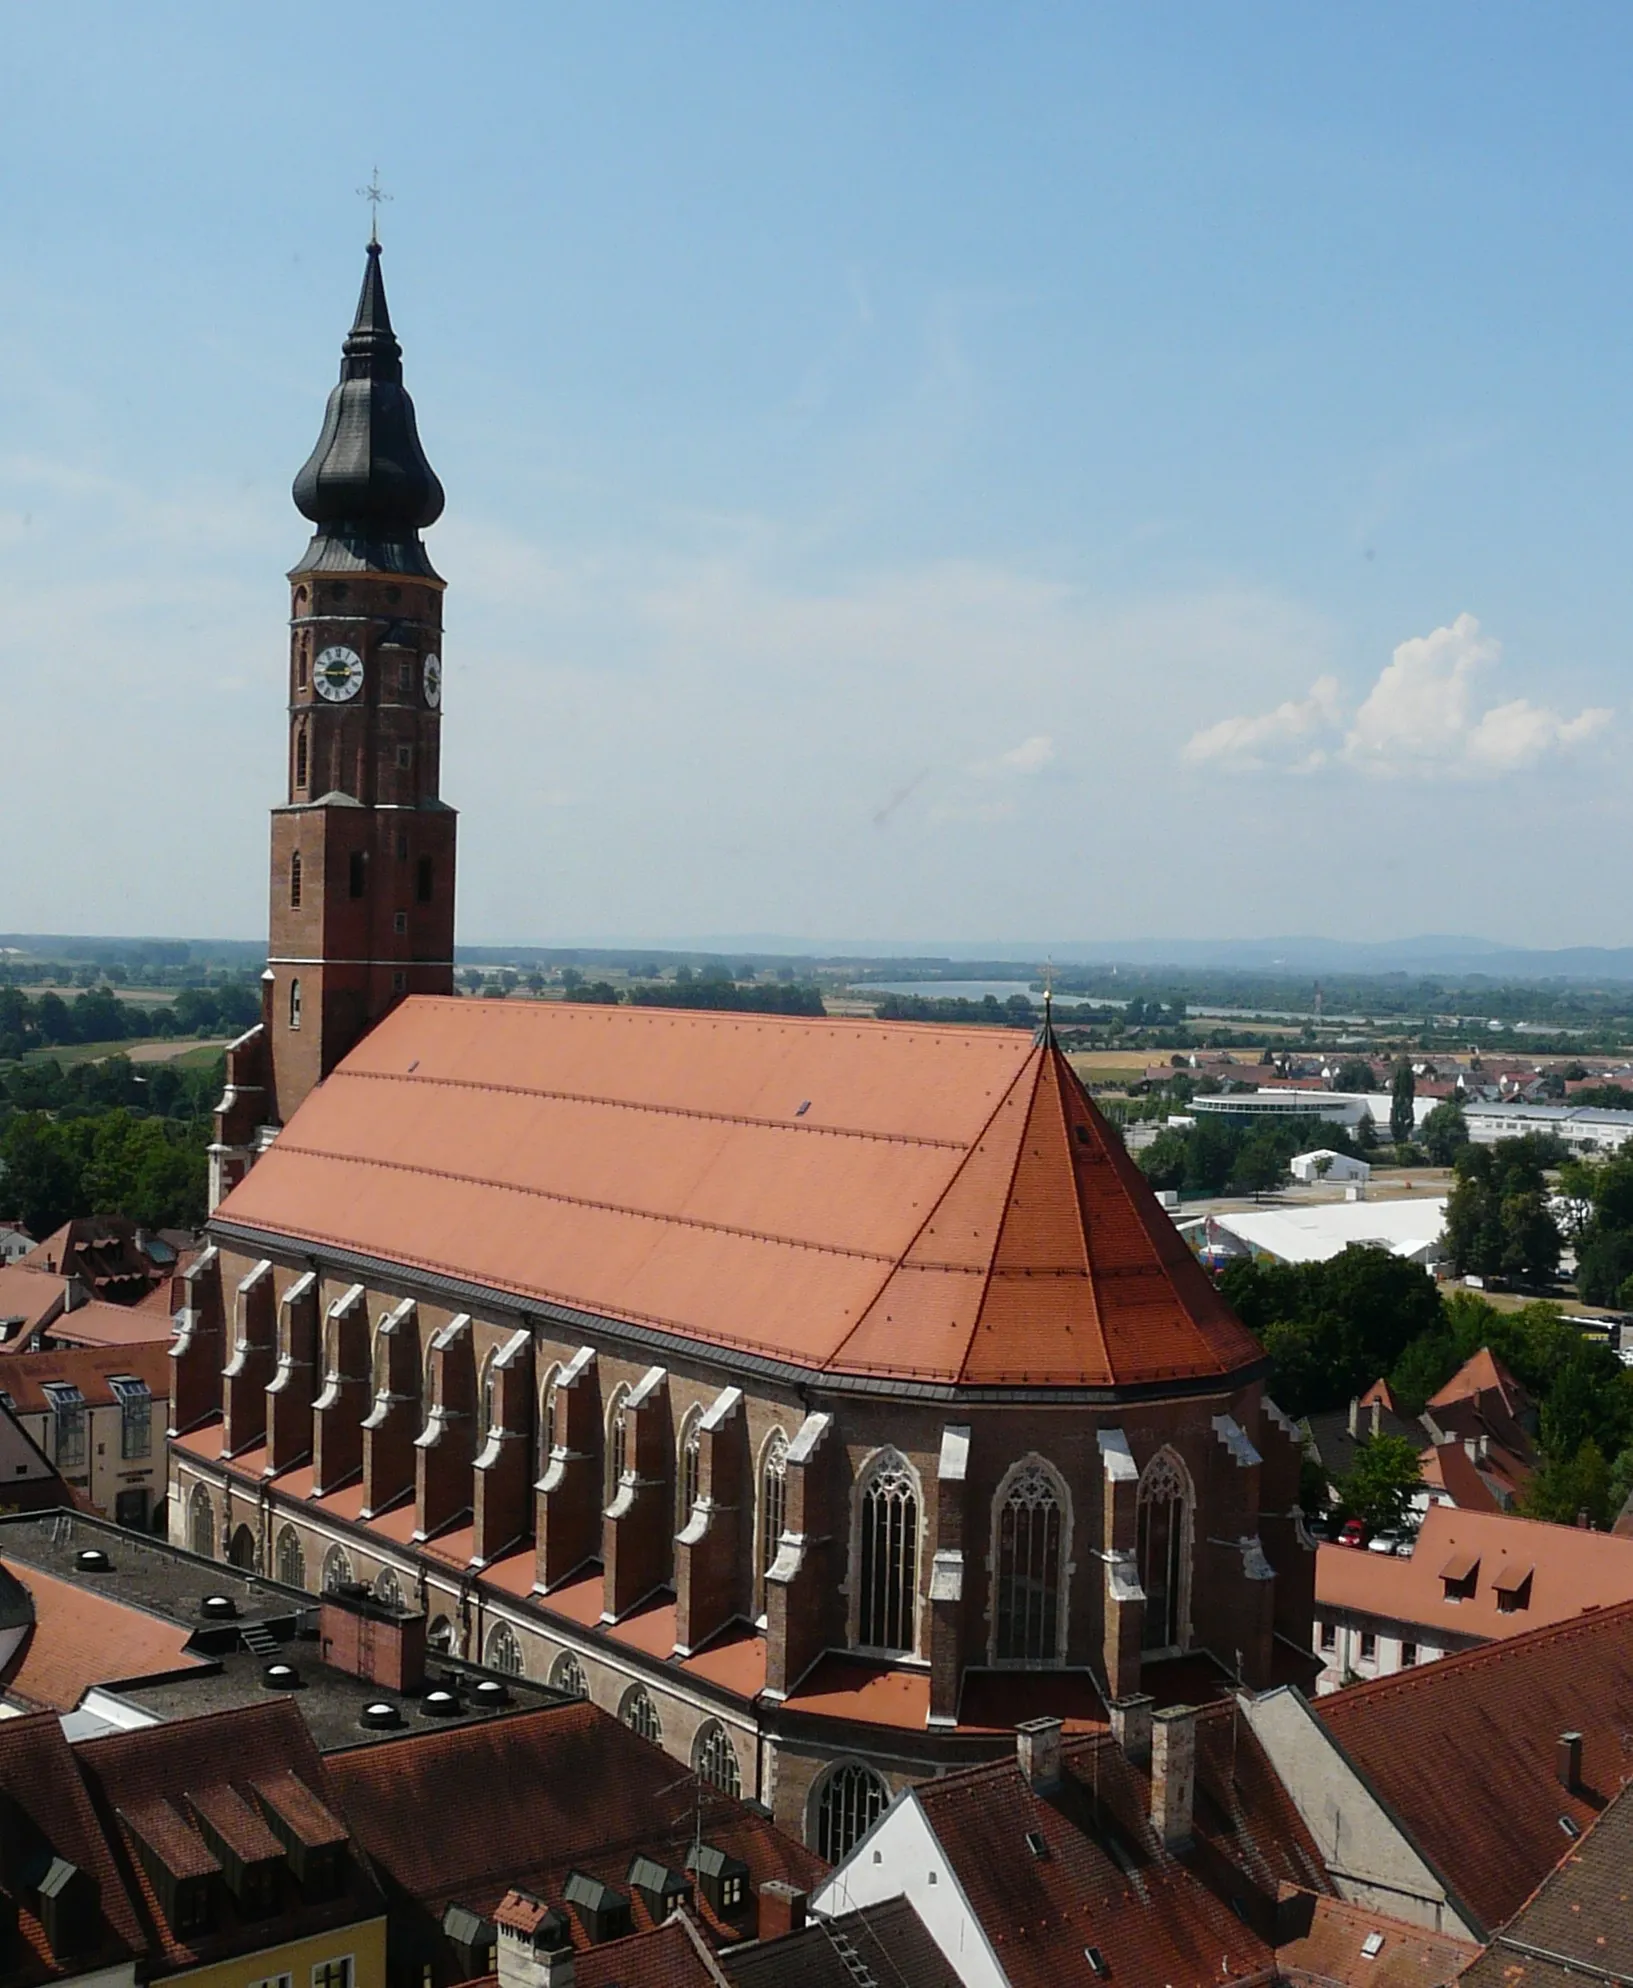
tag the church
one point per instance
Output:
(823, 1398)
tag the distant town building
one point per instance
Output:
(1313, 1232)
(1584, 1129)
(99, 1414)
(1324, 1166)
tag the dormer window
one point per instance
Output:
(1460, 1574)
(1512, 1587)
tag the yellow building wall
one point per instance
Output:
(365, 1941)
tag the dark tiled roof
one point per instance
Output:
(1463, 1750)
(889, 1939)
(139, 1780)
(1579, 1922)
(670, 1956)
(1102, 1878)
(523, 1800)
(1331, 1941)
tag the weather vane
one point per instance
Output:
(373, 193)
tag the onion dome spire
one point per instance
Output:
(367, 486)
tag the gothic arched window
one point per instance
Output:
(295, 878)
(848, 1804)
(689, 1465)
(640, 1714)
(440, 1636)
(714, 1758)
(567, 1676)
(616, 1448)
(1028, 1565)
(337, 1567)
(773, 1498)
(294, 1004)
(549, 1417)
(1165, 1552)
(888, 1541)
(201, 1522)
(290, 1560)
(502, 1651)
(388, 1588)
(241, 1550)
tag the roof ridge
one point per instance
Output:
(660, 1110)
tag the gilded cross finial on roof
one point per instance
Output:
(373, 193)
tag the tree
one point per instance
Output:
(1379, 1485)
(1163, 1161)
(1354, 1074)
(1401, 1116)
(1604, 1263)
(1563, 1487)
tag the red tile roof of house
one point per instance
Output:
(1173, 1925)
(23, 1376)
(80, 1639)
(148, 1776)
(889, 1938)
(37, 1772)
(1571, 1570)
(1464, 1750)
(1331, 1947)
(522, 1800)
(1481, 1373)
(859, 1197)
(99, 1324)
(1448, 1467)
(1578, 1923)
(29, 1296)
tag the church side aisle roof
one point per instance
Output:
(879, 1199)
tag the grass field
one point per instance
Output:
(183, 1051)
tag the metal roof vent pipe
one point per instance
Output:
(1037, 1752)
(1173, 1774)
(1568, 1762)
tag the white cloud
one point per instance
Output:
(1420, 717)
(1030, 756)
(1246, 744)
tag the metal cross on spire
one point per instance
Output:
(374, 193)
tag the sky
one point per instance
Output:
(984, 473)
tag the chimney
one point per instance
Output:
(1377, 1418)
(1131, 1725)
(1485, 1449)
(782, 1909)
(1471, 1449)
(1037, 1752)
(1354, 1416)
(375, 1640)
(1583, 1522)
(1173, 1774)
(1568, 1762)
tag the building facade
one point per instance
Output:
(821, 1397)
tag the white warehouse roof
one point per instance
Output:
(1412, 1229)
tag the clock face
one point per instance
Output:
(433, 681)
(338, 674)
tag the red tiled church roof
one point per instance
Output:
(858, 1197)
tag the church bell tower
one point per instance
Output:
(363, 844)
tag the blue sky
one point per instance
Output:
(914, 472)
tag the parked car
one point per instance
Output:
(1354, 1534)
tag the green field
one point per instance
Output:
(163, 1049)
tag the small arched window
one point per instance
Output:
(290, 1560)
(388, 1588)
(689, 1466)
(294, 1004)
(440, 1635)
(640, 1714)
(714, 1758)
(773, 1498)
(1030, 1537)
(487, 1389)
(1165, 1552)
(849, 1803)
(295, 881)
(337, 1568)
(241, 1549)
(502, 1651)
(301, 766)
(889, 1543)
(549, 1413)
(616, 1451)
(567, 1676)
(201, 1522)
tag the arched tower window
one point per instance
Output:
(337, 1568)
(567, 1676)
(773, 1499)
(615, 1451)
(502, 1651)
(289, 1560)
(848, 1804)
(688, 1466)
(888, 1555)
(300, 756)
(1166, 1505)
(294, 1004)
(714, 1758)
(549, 1417)
(295, 881)
(201, 1522)
(1028, 1565)
(640, 1714)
